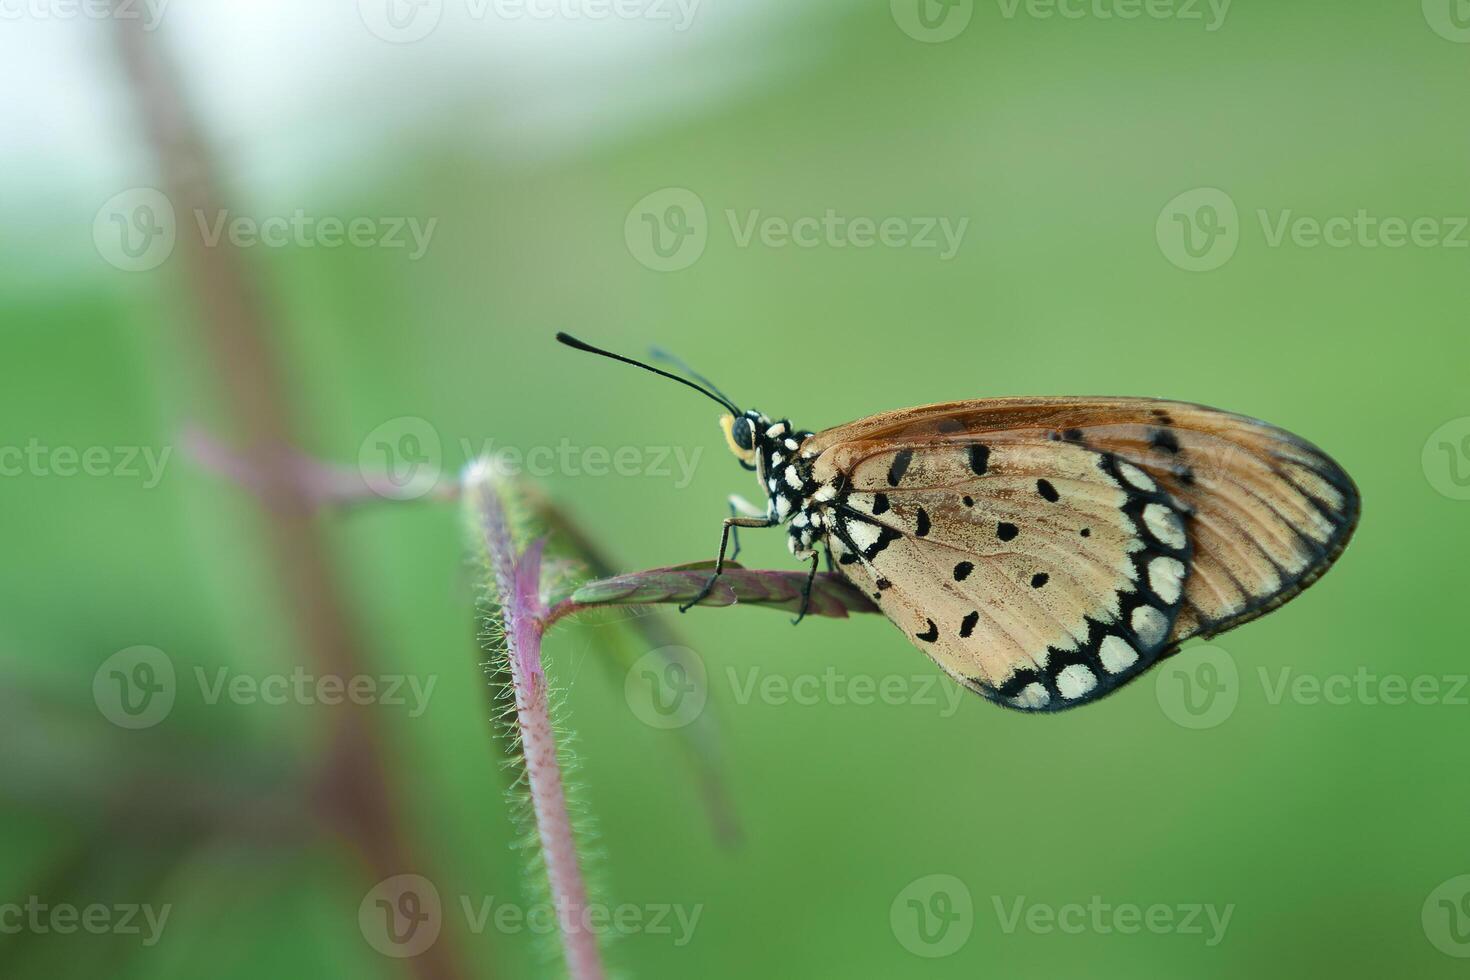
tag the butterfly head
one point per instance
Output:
(743, 434)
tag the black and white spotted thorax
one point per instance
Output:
(792, 495)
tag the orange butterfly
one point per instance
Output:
(1045, 551)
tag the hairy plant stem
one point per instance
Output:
(518, 580)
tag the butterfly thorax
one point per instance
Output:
(791, 492)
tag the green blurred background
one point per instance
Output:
(1075, 148)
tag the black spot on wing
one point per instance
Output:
(880, 503)
(979, 459)
(967, 625)
(1039, 579)
(931, 634)
(1047, 491)
(921, 518)
(900, 464)
(962, 570)
(1164, 440)
(1005, 530)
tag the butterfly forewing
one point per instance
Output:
(1045, 551)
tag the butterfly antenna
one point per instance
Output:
(659, 354)
(576, 344)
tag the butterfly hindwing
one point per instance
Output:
(1263, 513)
(1039, 575)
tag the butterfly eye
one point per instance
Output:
(743, 434)
(740, 437)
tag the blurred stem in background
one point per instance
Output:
(353, 793)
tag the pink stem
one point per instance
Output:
(519, 584)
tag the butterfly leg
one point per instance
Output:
(806, 591)
(725, 529)
(739, 505)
